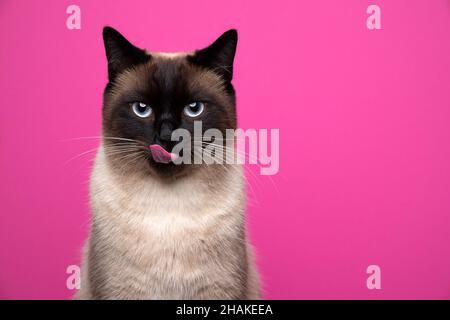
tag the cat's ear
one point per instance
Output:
(219, 56)
(121, 54)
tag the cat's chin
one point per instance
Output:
(170, 170)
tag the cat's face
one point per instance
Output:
(149, 95)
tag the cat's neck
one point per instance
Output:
(201, 195)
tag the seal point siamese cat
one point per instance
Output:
(162, 230)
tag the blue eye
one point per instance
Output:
(194, 109)
(141, 109)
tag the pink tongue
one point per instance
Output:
(160, 154)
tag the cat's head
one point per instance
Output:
(149, 95)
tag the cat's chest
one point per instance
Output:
(158, 252)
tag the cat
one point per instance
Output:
(161, 230)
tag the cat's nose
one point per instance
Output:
(165, 131)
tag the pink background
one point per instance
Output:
(364, 137)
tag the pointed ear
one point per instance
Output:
(121, 54)
(219, 56)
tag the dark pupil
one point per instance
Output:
(195, 108)
(142, 109)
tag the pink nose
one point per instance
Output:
(160, 154)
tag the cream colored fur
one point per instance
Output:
(152, 239)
